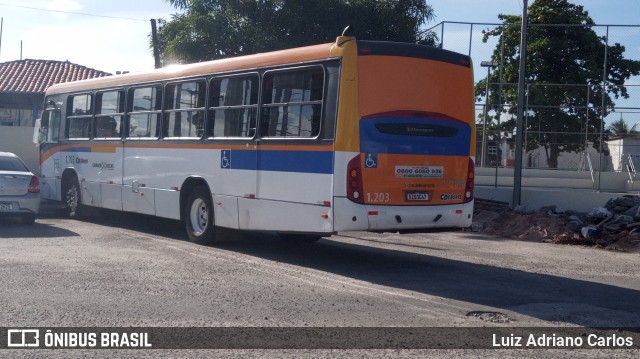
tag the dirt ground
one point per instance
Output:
(560, 228)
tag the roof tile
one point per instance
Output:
(34, 76)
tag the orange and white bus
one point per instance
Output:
(346, 136)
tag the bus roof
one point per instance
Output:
(247, 62)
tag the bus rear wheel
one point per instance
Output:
(198, 216)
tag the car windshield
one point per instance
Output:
(12, 164)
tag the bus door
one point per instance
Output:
(48, 138)
(140, 154)
(105, 186)
(294, 165)
(232, 119)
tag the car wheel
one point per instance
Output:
(28, 219)
(198, 216)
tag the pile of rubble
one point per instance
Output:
(614, 226)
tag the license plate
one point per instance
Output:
(416, 196)
(6, 207)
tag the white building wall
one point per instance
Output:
(621, 149)
(19, 140)
(537, 158)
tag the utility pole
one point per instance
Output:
(517, 173)
(154, 40)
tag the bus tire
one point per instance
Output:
(71, 197)
(198, 216)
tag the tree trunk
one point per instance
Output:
(552, 160)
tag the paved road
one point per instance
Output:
(123, 270)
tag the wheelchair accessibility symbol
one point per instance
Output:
(371, 160)
(225, 159)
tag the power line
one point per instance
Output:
(73, 13)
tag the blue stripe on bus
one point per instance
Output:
(320, 162)
(374, 141)
(77, 149)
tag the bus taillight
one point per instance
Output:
(354, 180)
(468, 190)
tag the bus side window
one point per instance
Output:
(144, 110)
(233, 106)
(184, 109)
(79, 116)
(292, 103)
(109, 114)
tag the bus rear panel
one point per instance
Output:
(414, 167)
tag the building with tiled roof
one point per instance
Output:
(24, 82)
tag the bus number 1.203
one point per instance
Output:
(378, 197)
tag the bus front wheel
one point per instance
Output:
(198, 216)
(71, 197)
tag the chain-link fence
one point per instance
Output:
(570, 126)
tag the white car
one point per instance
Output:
(19, 189)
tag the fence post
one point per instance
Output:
(470, 39)
(517, 173)
(603, 109)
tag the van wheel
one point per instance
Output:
(198, 216)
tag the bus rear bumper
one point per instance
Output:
(350, 216)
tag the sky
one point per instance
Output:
(603, 12)
(117, 38)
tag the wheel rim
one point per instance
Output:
(199, 216)
(72, 198)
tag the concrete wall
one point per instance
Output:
(532, 199)
(19, 140)
(567, 190)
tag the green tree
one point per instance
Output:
(557, 115)
(212, 29)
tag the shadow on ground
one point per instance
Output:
(546, 297)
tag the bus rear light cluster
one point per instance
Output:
(354, 180)
(34, 185)
(468, 188)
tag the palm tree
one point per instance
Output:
(620, 128)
